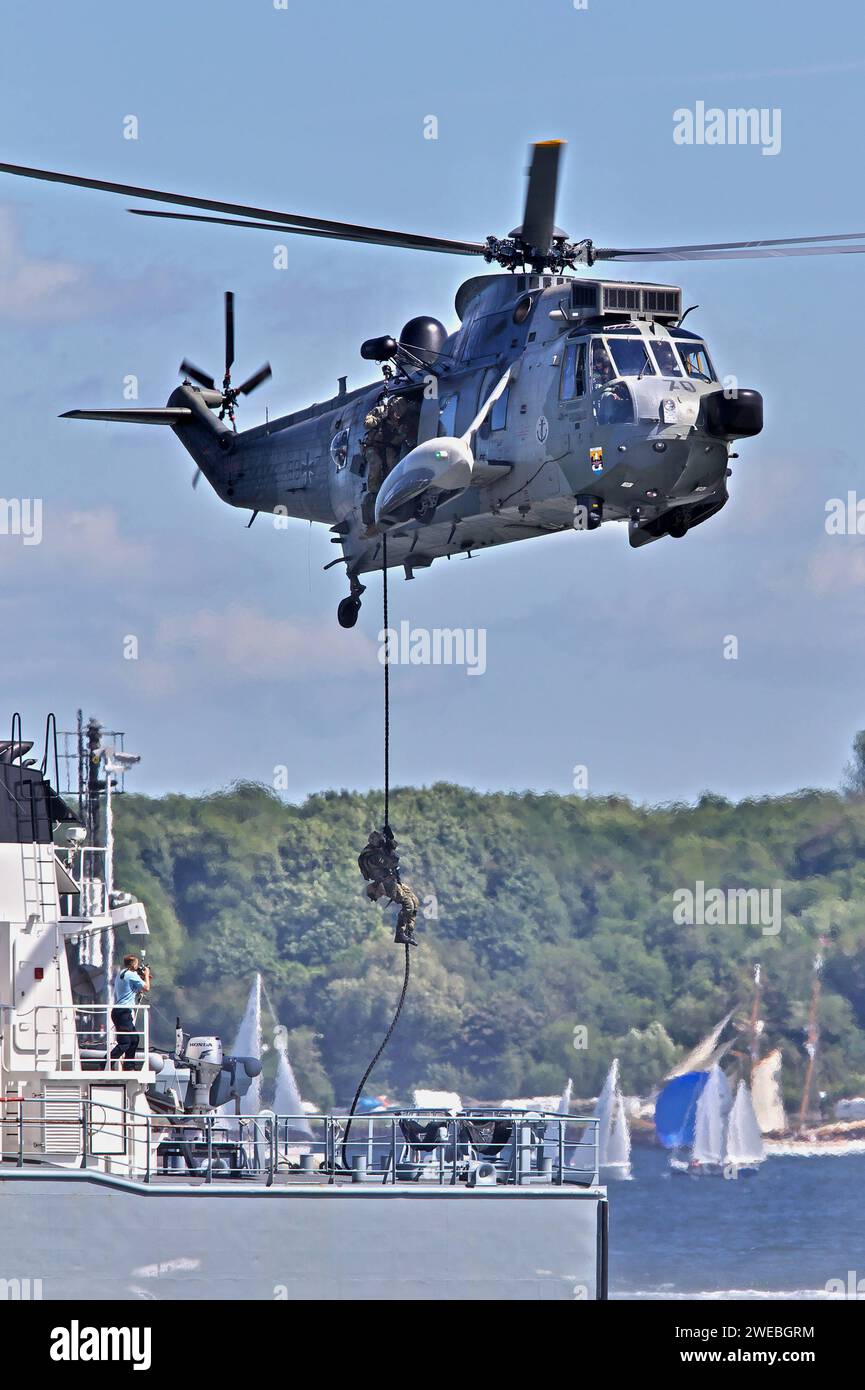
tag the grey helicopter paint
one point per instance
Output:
(559, 402)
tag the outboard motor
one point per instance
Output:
(204, 1059)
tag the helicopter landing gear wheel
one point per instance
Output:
(347, 612)
(678, 528)
(349, 608)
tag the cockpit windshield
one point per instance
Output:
(602, 367)
(697, 363)
(665, 356)
(631, 357)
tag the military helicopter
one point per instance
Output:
(559, 402)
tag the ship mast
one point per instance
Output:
(812, 1036)
(755, 1027)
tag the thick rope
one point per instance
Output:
(395, 1020)
(384, 1042)
(386, 684)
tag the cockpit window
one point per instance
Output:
(602, 367)
(665, 356)
(631, 357)
(573, 371)
(696, 360)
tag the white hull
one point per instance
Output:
(88, 1236)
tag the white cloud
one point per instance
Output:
(79, 545)
(837, 566)
(50, 289)
(32, 288)
(240, 645)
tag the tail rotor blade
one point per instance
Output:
(539, 215)
(229, 331)
(255, 380)
(196, 479)
(188, 369)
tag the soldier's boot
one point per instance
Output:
(409, 906)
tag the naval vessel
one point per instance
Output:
(149, 1182)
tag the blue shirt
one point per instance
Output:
(127, 987)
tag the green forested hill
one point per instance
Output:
(543, 914)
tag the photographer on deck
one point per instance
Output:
(131, 982)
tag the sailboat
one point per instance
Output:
(614, 1135)
(745, 1150)
(766, 1093)
(696, 1115)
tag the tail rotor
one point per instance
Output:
(226, 398)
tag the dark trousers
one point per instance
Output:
(127, 1036)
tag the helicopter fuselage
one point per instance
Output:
(606, 416)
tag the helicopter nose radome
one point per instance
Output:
(733, 415)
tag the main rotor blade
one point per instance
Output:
(255, 380)
(229, 331)
(467, 248)
(609, 252)
(539, 213)
(766, 253)
(286, 220)
(187, 369)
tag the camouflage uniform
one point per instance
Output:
(404, 417)
(375, 449)
(378, 861)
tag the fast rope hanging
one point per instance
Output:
(379, 864)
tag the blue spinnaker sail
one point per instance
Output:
(676, 1109)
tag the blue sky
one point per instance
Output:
(596, 655)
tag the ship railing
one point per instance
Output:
(527, 1149)
(86, 865)
(78, 1037)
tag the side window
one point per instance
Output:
(573, 382)
(499, 412)
(568, 387)
(488, 381)
(339, 449)
(580, 374)
(448, 415)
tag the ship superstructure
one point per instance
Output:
(238, 1205)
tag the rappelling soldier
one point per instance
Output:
(378, 861)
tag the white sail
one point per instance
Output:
(766, 1093)
(614, 1136)
(705, 1054)
(286, 1100)
(713, 1108)
(744, 1140)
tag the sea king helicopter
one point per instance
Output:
(560, 401)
